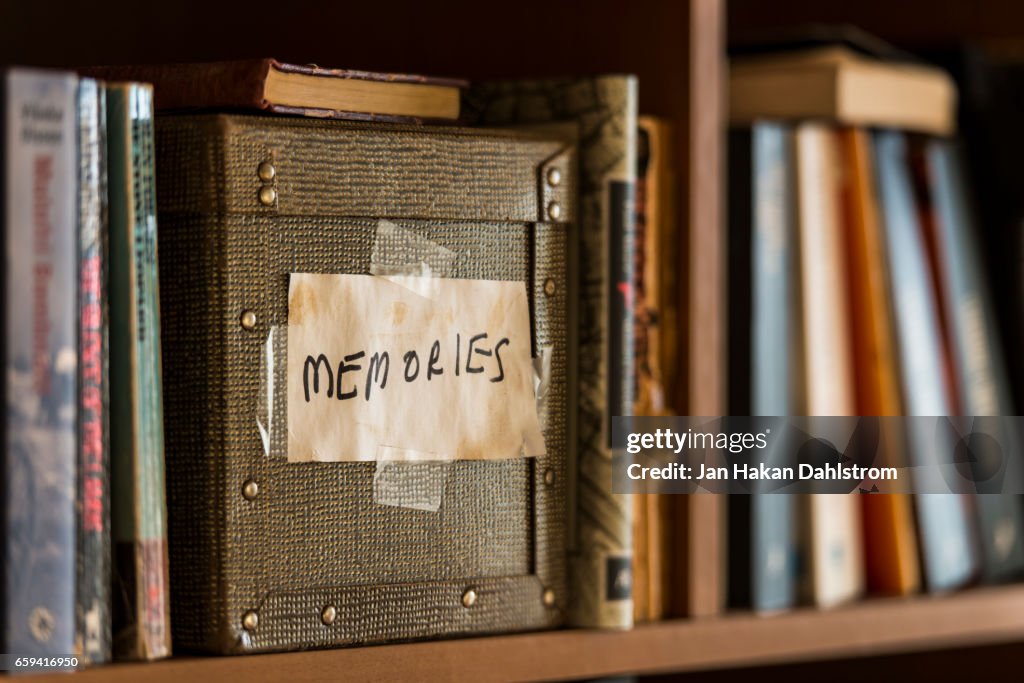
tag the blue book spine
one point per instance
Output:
(946, 544)
(979, 363)
(40, 349)
(773, 365)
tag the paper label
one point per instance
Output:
(409, 368)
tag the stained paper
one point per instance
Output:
(410, 369)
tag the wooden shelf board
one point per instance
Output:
(981, 616)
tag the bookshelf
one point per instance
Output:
(976, 617)
(677, 50)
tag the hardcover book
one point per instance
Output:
(777, 366)
(833, 545)
(652, 300)
(40, 314)
(890, 548)
(838, 84)
(980, 373)
(270, 553)
(944, 528)
(605, 109)
(141, 591)
(93, 639)
(300, 89)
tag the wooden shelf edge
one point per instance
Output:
(884, 626)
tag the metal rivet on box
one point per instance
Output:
(328, 615)
(554, 177)
(248, 320)
(550, 287)
(266, 171)
(268, 195)
(554, 211)
(469, 598)
(549, 476)
(250, 489)
(250, 620)
(548, 597)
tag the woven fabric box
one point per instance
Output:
(268, 554)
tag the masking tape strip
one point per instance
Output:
(413, 485)
(407, 479)
(403, 257)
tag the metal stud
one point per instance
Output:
(266, 171)
(550, 287)
(469, 598)
(554, 211)
(250, 620)
(548, 597)
(250, 489)
(549, 477)
(328, 615)
(248, 320)
(554, 177)
(268, 195)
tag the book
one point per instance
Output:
(40, 314)
(653, 259)
(662, 269)
(832, 534)
(840, 85)
(980, 377)
(305, 90)
(990, 81)
(141, 585)
(647, 393)
(890, 553)
(947, 555)
(92, 614)
(605, 109)
(775, 364)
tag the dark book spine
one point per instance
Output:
(40, 385)
(93, 566)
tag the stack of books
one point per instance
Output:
(83, 425)
(858, 289)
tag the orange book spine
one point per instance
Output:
(890, 552)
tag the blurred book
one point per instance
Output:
(654, 258)
(141, 585)
(978, 377)
(944, 527)
(890, 547)
(832, 544)
(92, 597)
(40, 351)
(835, 83)
(764, 352)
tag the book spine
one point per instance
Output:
(980, 371)
(891, 561)
(946, 547)
(614, 607)
(774, 324)
(602, 562)
(834, 549)
(644, 381)
(93, 583)
(136, 399)
(40, 382)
